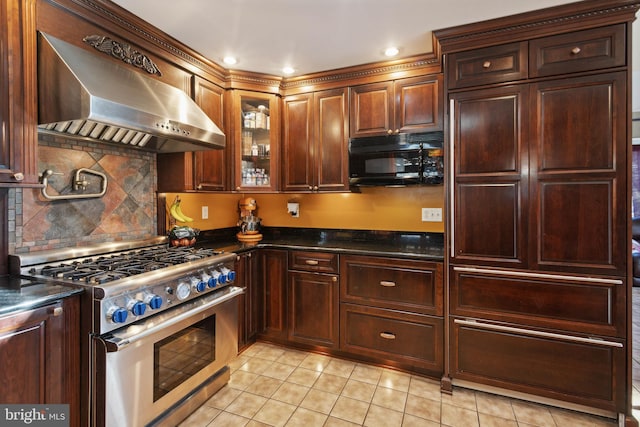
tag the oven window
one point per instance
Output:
(181, 355)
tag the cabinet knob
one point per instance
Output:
(388, 335)
(389, 131)
(57, 311)
(310, 188)
(334, 279)
(397, 131)
(576, 50)
(18, 176)
(237, 188)
(199, 187)
(486, 64)
(315, 188)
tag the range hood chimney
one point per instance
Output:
(85, 95)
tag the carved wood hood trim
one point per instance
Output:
(122, 51)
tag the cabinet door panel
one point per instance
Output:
(371, 107)
(567, 369)
(569, 303)
(419, 104)
(488, 223)
(273, 265)
(22, 379)
(581, 179)
(297, 167)
(210, 166)
(392, 283)
(488, 131)
(331, 161)
(409, 339)
(578, 51)
(489, 65)
(313, 309)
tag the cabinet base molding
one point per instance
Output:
(537, 399)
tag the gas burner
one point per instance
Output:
(106, 268)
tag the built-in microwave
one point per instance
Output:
(395, 160)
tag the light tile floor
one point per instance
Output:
(276, 386)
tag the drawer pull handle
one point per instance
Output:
(486, 64)
(311, 262)
(388, 335)
(387, 283)
(536, 333)
(576, 50)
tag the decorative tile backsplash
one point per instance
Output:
(127, 210)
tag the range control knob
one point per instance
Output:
(220, 279)
(231, 275)
(154, 301)
(117, 315)
(198, 285)
(137, 307)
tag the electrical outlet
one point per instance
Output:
(432, 214)
(205, 212)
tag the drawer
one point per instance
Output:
(494, 64)
(578, 51)
(319, 262)
(392, 283)
(573, 303)
(410, 339)
(576, 369)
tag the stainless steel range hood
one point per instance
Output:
(85, 95)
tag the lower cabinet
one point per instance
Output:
(587, 371)
(552, 335)
(40, 354)
(248, 302)
(379, 309)
(410, 340)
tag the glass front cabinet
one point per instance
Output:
(257, 122)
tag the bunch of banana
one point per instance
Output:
(176, 212)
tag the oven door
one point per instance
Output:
(148, 370)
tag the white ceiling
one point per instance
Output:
(311, 35)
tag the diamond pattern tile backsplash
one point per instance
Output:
(127, 210)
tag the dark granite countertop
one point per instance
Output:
(427, 246)
(19, 294)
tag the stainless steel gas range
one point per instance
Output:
(159, 325)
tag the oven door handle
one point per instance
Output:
(114, 343)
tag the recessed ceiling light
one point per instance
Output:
(391, 51)
(288, 70)
(230, 60)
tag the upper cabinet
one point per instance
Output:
(18, 105)
(405, 105)
(210, 166)
(200, 170)
(255, 141)
(315, 142)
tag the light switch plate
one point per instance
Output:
(205, 212)
(432, 214)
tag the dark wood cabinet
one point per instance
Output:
(40, 354)
(273, 269)
(538, 225)
(313, 298)
(200, 170)
(249, 302)
(315, 138)
(211, 166)
(18, 94)
(391, 309)
(489, 139)
(405, 105)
